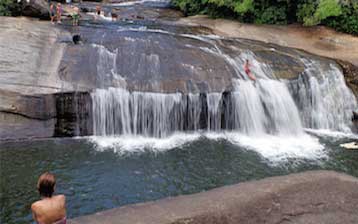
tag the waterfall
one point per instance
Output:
(323, 99)
(318, 99)
(266, 108)
(252, 110)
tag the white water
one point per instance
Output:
(107, 67)
(324, 100)
(261, 116)
(101, 16)
(276, 149)
(266, 108)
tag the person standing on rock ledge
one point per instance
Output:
(50, 209)
(52, 13)
(75, 16)
(248, 71)
(59, 12)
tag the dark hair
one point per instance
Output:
(46, 184)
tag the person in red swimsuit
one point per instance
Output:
(248, 71)
(51, 209)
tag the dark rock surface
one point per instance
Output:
(307, 198)
(350, 72)
(73, 114)
(36, 8)
(144, 59)
(44, 115)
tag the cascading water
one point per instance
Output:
(323, 99)
(267, 107)
(107, 67)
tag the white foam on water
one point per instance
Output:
(131, 143)
(276, 149)
(281, 148)
(101, 16)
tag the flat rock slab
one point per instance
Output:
(309, 197)
(317, 40)
(30, 56)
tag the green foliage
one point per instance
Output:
(306, 11)
(327, 8)
(339, 14)
(244, 7)
(9, 8)
(313, 15)
(272, 15)
(347, 21)
(192, 7)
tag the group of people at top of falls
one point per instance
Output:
(56, 13)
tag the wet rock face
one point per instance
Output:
(145, 61)
(170, 59)
(73, 116)
(350, 72)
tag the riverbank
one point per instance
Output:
(309, 197)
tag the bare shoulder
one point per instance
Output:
(61, 198)
(35, 205)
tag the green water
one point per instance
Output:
(95, 180)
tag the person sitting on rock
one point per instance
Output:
(50, 209)
(248, 71)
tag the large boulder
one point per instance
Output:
(36, 8)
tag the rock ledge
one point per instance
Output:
(309, 197)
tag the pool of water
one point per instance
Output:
(102, 173)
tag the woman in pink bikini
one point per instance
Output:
(51, 209)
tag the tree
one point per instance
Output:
(9, 8)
